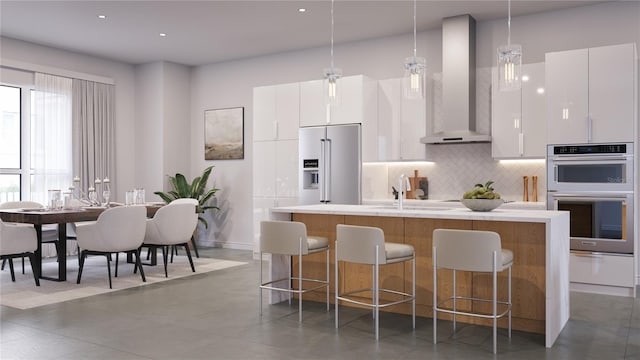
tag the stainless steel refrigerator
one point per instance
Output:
(330, 165)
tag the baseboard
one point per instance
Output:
(603, 289)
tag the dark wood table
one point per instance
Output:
(39, 217)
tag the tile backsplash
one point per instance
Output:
(455, 168)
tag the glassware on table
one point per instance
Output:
(55, 199)
(106, 194)
(139, 196)
(128, 197)
(93, 197)
(67, 200)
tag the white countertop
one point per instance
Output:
(435, 210)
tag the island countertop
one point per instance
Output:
(433, 211)
(539, 239)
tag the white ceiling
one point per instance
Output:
(204, 32)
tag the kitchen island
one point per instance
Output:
(539, 240)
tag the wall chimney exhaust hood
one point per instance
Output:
(458, 83)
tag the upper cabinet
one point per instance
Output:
(518, 123)
(358, 95)
(276, 112)
(591, 95)
(401, 124)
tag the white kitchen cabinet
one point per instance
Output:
(591, 95)
(358, 96)
(286, 169)
(401, 124)
(518, 123)
(264, 168)
(604, 273)
(276, 112)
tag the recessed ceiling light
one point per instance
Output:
(540, 90)
(102, 17)
(163, 34)
(525, 77)
(302, 10)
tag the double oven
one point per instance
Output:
(594, 182)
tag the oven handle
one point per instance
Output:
(586, 254)
(557, 196)
(597, 159)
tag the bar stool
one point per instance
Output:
(470, 250)
(366, 245)
(290, 238)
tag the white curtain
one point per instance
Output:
(51, 159)
(93, 134)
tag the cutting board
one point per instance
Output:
(415, 184)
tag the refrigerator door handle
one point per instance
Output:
(322, 166)
(327, 172)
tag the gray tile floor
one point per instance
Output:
(215, 316)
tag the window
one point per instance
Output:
(11, 170)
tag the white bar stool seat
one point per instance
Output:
(290, 238)
(476, 251)
(366, 245)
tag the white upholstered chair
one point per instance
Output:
(117, 229)
(172, 225)
(18, 240)
(366, 245)
(49, 232)
(476, 251)
(290, 238)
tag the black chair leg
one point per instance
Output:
(4, 261)
(195, 246)
(116, 274)
(139, 265)
(109, 269)
(165, 258)
(36, 277)
(186, 247)
(174, 250)
(83, 256)
(23, 265)
(13, 275)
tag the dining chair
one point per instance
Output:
(193, 238)
(117, 229)
(18, 240)
(49, 232)
(172, 225)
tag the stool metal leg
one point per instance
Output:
(376, 295)
(509, 302)
(454, 302)
(495, 304)
(260, 286)
(413, 290)
(435, 297)
(336, 281)
(328, 275)
(300, 281)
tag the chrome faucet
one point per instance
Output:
(403, 186)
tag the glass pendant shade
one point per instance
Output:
(331, 86)
(413, 82)
(509, 67)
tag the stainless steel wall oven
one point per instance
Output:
(594, 182)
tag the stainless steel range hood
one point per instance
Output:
(458, 83)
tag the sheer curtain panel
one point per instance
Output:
(51, 136)
(93, 133)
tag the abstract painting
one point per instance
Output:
(224, 134)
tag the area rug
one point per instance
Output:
(24, 294)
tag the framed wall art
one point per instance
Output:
(224, 134)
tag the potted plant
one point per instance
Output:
(181, 188)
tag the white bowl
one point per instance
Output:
(482, 204)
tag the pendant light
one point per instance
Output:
(413, 82)
(509, 62)
(331, 78)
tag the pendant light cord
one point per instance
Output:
(414, 29)
(509, 23)
(332, 35)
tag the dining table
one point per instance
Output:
(43, 216)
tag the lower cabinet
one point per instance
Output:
(526, 240)
(610, 270)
